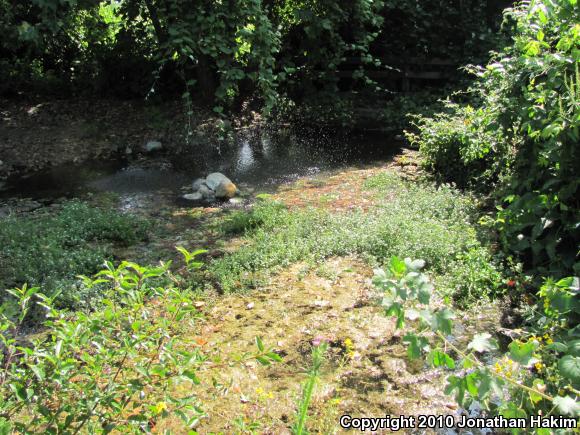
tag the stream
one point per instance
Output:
(255, 161)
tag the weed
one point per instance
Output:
(318, 352)
(50, 250)
(435, 223)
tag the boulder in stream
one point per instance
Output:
(196, 196)
(215, 185)
(214, 179)
(226, 190)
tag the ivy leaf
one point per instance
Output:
(570, 367)
(538, 385)
(483, 343)
(511, 410)
(567, 405)
(489, 385)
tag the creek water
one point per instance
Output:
(260, 160)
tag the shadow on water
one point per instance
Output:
(255, 158)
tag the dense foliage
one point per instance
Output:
(538, 376)
(108, 370)
(231, 51)
(521, 137)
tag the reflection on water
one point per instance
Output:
(256, 158)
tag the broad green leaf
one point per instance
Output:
(438, 358)
(416, 346)
(573, 348)
(441, 321)
(538, 384)
(511, 410)
(523, 352)
(570, 367)
(482, 343)
(397, 266)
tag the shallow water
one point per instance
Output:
(255, 159)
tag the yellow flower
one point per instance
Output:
(160, 407)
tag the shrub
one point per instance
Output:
(463, 146)
(538, 376)
(525, 134)
(110, 370)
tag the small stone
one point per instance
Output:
(193, 196)
(198, 304)
(250, 306)
(236, 201)
(153, 145)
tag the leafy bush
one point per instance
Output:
(440, 230)
(462, 147)
(109, 370)
(538, 376)
(524, 134)
(50, 250)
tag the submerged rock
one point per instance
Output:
(216, 185)
(198, 183)
(153, 145)
(205, 191)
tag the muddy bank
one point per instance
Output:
(39, 134)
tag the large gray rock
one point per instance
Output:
(214, 179)
(205, 191)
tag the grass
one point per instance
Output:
(50, 250)
(414, 220)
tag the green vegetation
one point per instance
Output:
(278, 53)
(318, 351)
(441, 231)
(50, 250)
(518, 143)
(110, 369)
(521, 139)
(539, 374)
(503, 158)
